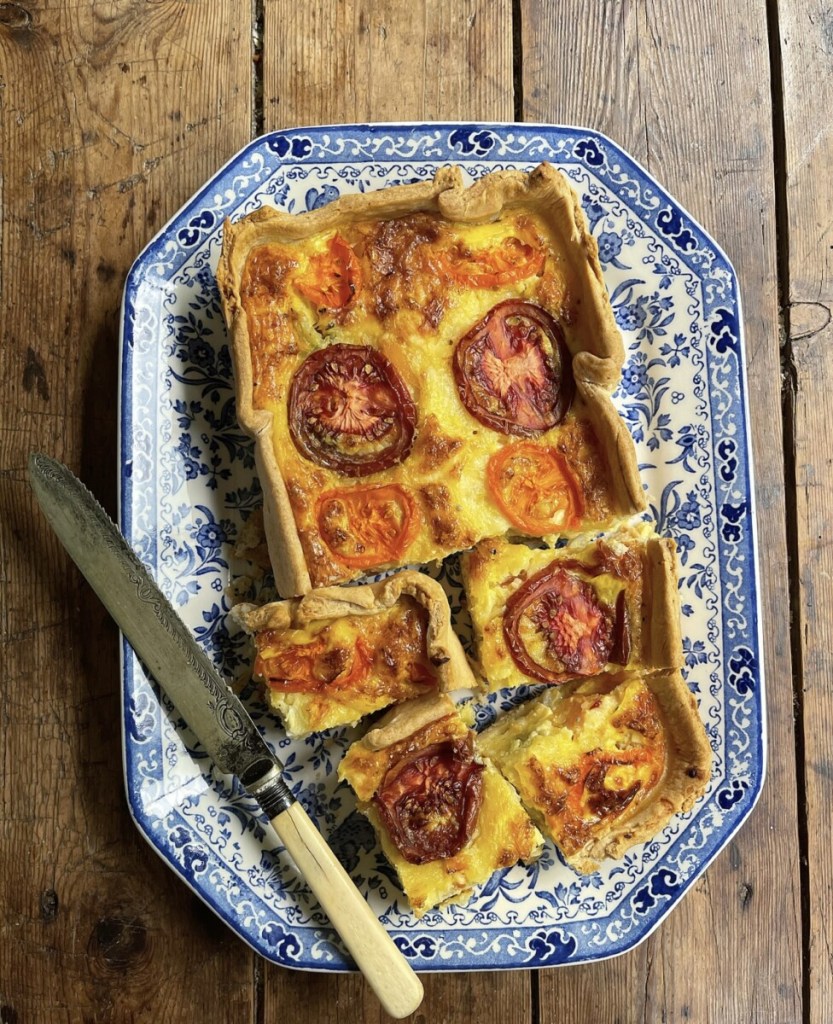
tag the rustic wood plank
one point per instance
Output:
(328, 63)
(806, 30)
(685, 89)
(112, 114)
(404, 60)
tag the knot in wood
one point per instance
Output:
(48, 905)
(15, 16)
(118, 943)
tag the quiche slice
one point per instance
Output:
(603, 764)
(424, 366)
(445, 818)
(340, 653)
(549, 616)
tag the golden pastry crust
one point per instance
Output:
(604, 765)
(377, 621)
(501, 834)
(298, 527)
(628, 578)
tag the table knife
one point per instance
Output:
(218, 719)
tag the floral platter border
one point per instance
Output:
(187, 486)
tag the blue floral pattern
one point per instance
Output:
(188, 486)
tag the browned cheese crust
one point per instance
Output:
(299, 557)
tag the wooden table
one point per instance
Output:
(112, 114)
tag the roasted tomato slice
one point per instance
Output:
(605, 784)
(306, 668)
(429, 801)
(367, 526)
(505, 263)
(350, 411)
(556, 628)
(534, 488)
(333, 278)
(513, 370)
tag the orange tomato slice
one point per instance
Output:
(507, 263)
(365, 527)
(334, 276)
(303, 668)
(535, 488)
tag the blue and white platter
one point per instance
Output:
(188, 486)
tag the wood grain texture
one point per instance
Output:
(110, 116)
(685, 88)
(404, 60)
(330, 62)
(806, 37)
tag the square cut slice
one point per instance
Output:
(549, 616)
(341, 653)
(445, 818)
(603, 764)
(423, 366)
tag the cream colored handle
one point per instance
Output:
(388, 972)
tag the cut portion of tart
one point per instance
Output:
(603, 764)
(424, 366)
(340, 653)
(445, 818)
(549, 616)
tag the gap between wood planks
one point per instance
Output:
(258, 16)
(789, 395)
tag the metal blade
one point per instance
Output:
(156, 633)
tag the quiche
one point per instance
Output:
(549, 616)
(340, 653)
(424, 366)
(445, 818)
(604, 763)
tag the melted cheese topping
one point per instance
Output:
(503, 834)
(408, 310)
(496, 570)
(358, 664)
(581, 761)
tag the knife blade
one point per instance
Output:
(217, 717)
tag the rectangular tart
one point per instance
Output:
(340, 653)
(603, 764)
(424, 366)
(548, 616)
(445, 818)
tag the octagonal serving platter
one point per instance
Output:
(188, 487)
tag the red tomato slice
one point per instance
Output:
(576, 630)
(350, 411)
(510, 261)
(513, 370)
(365, 527)
(333, 278)
(535, 488)
(429, 801)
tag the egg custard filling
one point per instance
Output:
(424, 367)
(605, 763)
(549, 616)
(339, 654)
(445, 818)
